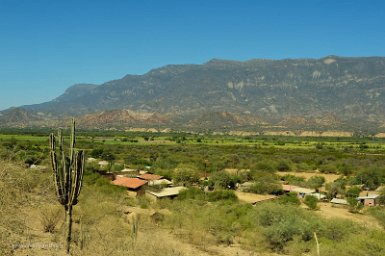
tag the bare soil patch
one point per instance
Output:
(327, 210)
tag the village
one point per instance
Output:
(146, 183)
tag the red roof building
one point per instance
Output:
(130, 183)
(148, 176)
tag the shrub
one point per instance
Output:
(280, 233)
(222, 195)
(261, 187)
(191, 193)
(49, 218)
(311, 202)
(289, 198)
(224, 180)
(355, 206)
(283, 166)
(353, 192)
(294, 180)
(371, 178)
(185, 175)
(315, 182)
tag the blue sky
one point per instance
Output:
(47, 45)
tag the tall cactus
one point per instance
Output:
(68, 173)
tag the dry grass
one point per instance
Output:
(31, 222)
(327, 210)
(329, 177)
(253, 198)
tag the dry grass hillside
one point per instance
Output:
(103, 220)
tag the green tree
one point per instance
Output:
(315, 182)
(334, 188)
(185, 175)
(353, 192)
(355, 205)
(371, 178)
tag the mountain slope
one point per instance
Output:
(332, 91)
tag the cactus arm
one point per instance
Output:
(72, 145)
(63, 170)
(78, 176)
(55, 168)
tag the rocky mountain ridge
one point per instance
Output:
(328, 93)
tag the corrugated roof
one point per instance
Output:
(303, 190)
(297, 189)
(318, 195)
(159, 182)
(132, 183)
(167, 192)
(129, 170)
(338, 201)
(148, 176)
(368, 197)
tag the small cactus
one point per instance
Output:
(68, 172)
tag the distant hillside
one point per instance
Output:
(327, 93)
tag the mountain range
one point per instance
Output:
(332, 93)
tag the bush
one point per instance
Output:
(185, 175)
(354, 205)
(289, 198)
(191, 193)
(280, 233)
(311, 202)
(224, 180)
(222, 195)
(315, 182)
(294, 180)
(49, 218)
(283, 167)
(371, 178)
(353, 192)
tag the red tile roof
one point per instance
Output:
(288, 187)
(132, 183)
(149, 176)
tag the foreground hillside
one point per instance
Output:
(327, 93)
(211, 216)
(189, 227)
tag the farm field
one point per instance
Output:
(233, 204)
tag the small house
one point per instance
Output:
(133, 185)
(301, 192)
(369, 200)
